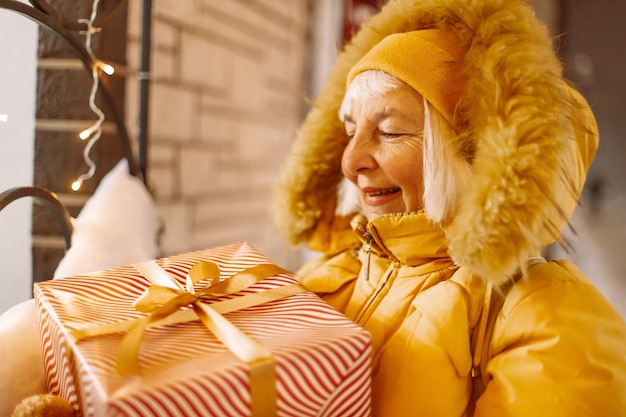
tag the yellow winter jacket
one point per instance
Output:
(556, 339)
(557, 348)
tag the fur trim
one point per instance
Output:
(519, 113)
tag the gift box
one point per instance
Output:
(218, 332)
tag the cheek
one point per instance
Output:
(402, 165)
(413, 188)
(405, 176)
(408, 175)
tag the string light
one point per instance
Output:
(107, 68)
(93, 132)
(87, 132)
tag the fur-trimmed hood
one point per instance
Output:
(534, 136)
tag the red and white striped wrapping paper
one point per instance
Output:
(322, 358)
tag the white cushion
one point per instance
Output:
(118, 225)
(21, 363)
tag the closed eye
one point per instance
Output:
(389, 135)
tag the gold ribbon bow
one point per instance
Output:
(162, 302)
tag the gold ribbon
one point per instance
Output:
(162, 302)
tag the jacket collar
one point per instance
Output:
(409, 238)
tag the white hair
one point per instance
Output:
(446, 167)
(447, 172)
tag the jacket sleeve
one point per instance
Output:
(332, 277)
(332, 274)
(559, 349)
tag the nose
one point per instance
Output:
(358, 156)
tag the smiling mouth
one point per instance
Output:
(384, 192)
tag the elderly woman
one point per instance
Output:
(466, 151)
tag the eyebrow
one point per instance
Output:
(380, 116)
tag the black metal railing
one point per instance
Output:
(69, 29)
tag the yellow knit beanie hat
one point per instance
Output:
(430, 61)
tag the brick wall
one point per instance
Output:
(226, 97)
(62, 111)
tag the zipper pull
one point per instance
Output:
(365, 269)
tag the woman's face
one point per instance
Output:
(384, 156)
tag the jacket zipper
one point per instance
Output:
(369, 238)
(365, 270)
